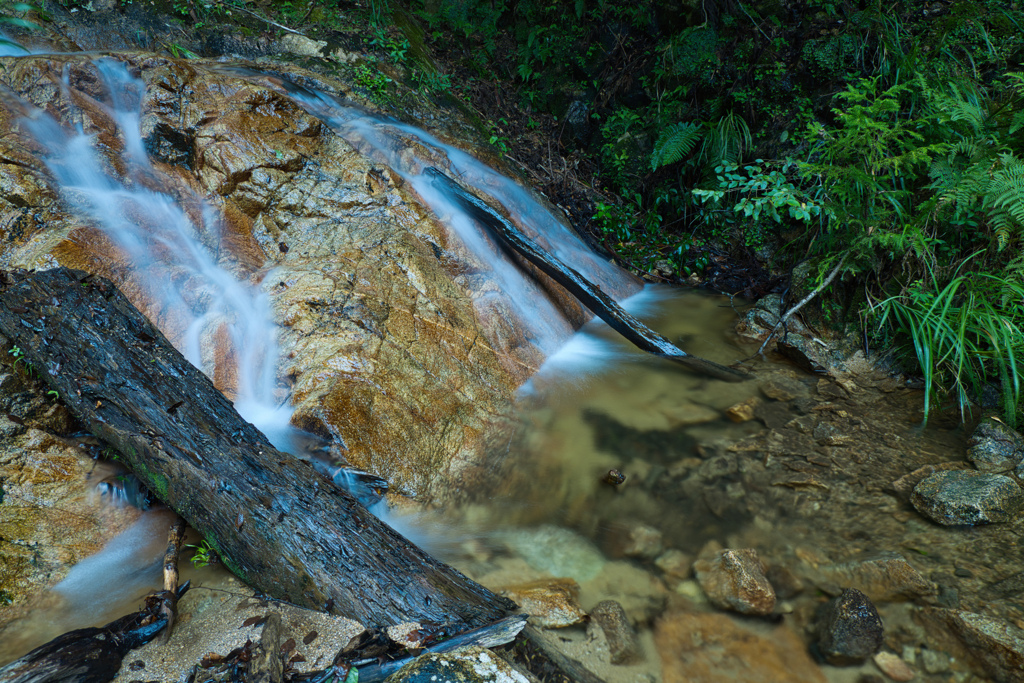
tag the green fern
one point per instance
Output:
(675, 143)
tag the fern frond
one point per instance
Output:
(1016, 122)
(674, 143)
(1007, 189)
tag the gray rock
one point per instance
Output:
(851, 630)
(464, 665)
(994, 447)
(808, 354)
(633, 539)
(997, 646)
(556, 550)
(934, 662)
(967, 497)
(623, 645)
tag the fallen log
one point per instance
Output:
(90, 655)
(276, 524)
(588, 294)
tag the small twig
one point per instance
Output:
(268, 21)
(169, 607)
(800, 304)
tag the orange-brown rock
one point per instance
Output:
(735, 580)
(712, 648)
(551, 603)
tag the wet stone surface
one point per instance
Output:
(851, 630)
(968, 497)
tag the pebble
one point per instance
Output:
(851, 630)
(623, 644)
(934, 662)
(632, 539)
(893, 667)
(735, 580)
(743, 411)
(675, 564)
(994, 447)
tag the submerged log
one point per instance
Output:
(274, 523)
(589, 294)
(89, 655)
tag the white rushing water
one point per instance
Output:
(546, 326)
(169, 252)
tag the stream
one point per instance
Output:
(620, 469)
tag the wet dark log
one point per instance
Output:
(275, 523)
(88, 655)
(589, 294)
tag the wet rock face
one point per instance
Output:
(993, 644)
(464, 665)
(851, 630)
(882, 577)
(994, 447)
(735, 580)
(395, 341)
(968, 497)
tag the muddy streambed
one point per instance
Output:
(803, 469)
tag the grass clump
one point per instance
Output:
(961, 334)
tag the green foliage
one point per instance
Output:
(674, 143)
(961, 334)
(980, 179)
(203, 554)
(375, 81)
(691, 54)
(760, 190)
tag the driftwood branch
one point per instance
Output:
(169, 608)
(803, 302)
(273, 521)
(88, 655)
(589, 295)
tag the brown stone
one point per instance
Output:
(893, 667)
(623, 645)
(882, 577)
(735, 580)
(992, 644)
(397, 343)
(711, 648)
(743, 411)
(551, 603)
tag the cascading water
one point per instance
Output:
(169, 252)
(377, 136)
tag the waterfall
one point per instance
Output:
(374, 135)
(194, 296)
(178, 272)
